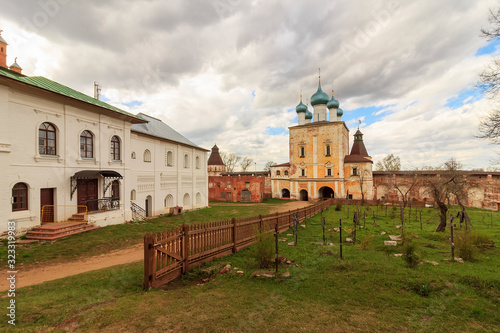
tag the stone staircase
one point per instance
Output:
(53, 231)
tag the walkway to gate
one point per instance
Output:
(169, 254)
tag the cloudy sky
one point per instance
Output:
(231, 71)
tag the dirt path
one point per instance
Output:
(48, 272)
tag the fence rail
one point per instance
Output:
(169, 254)
(412, 203)
(58, 213)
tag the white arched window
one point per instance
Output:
(170, 158)
(20, 197)
(47, 139)
(169, 201)
(115, 148)
(147, 156)
(186, 161)
(87, 144)
(186, 201)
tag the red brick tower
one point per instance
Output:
(3, 51)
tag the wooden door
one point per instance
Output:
(87, 190)
(47, 205)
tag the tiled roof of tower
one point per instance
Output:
(356, 159)
(49, 85)
(358, 148)
(159, 129)
(215, 158)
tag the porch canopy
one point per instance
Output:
(108, 175)
(92, 174)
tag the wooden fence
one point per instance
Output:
(171, 253)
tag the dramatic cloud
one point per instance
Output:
(231, 72)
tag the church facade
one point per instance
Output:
(321, 165)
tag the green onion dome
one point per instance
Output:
(319, 97)
(309, 115)
(340, 112)
(332, 103)
(301, 107)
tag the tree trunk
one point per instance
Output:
(442, 216)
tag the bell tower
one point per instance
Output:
(3, 51)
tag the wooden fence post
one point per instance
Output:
(260, 222)
(340, 239)
(185, 250)
(452, 244)
(149, 262)
(234, 235)
(276, 234)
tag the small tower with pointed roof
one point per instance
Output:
(215, 163)
(15, 67)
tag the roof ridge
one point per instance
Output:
(58, 88)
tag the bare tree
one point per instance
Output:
(245, 163)
(405, 185)
(450, 182)
(362, 173)
(230, 160)
(489, 82)
(389, 163)
(268, 165)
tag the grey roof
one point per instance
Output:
(159, 129)
(3, 40)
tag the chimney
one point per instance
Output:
(15, 67)
(3, 51)
(97, 90)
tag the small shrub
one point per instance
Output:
(366, 241)
(338, 207)
(422, 289)
(409, 253)
(469, 244)
(263, 249)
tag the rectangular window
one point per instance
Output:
(329, 172)
(303, 172)
(223, 195)
(354, 171)
(302, 152)
(247, 185)
(327, 151)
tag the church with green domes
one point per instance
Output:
(320, 164)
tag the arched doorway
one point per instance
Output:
(326, 192)
(149, 206)
(285, 193)
(303, 195)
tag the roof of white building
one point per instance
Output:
(41, 82)
(157, 128)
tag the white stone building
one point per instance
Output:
(60, 148)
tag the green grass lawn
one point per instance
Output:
(369, 290)
(119, 236)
